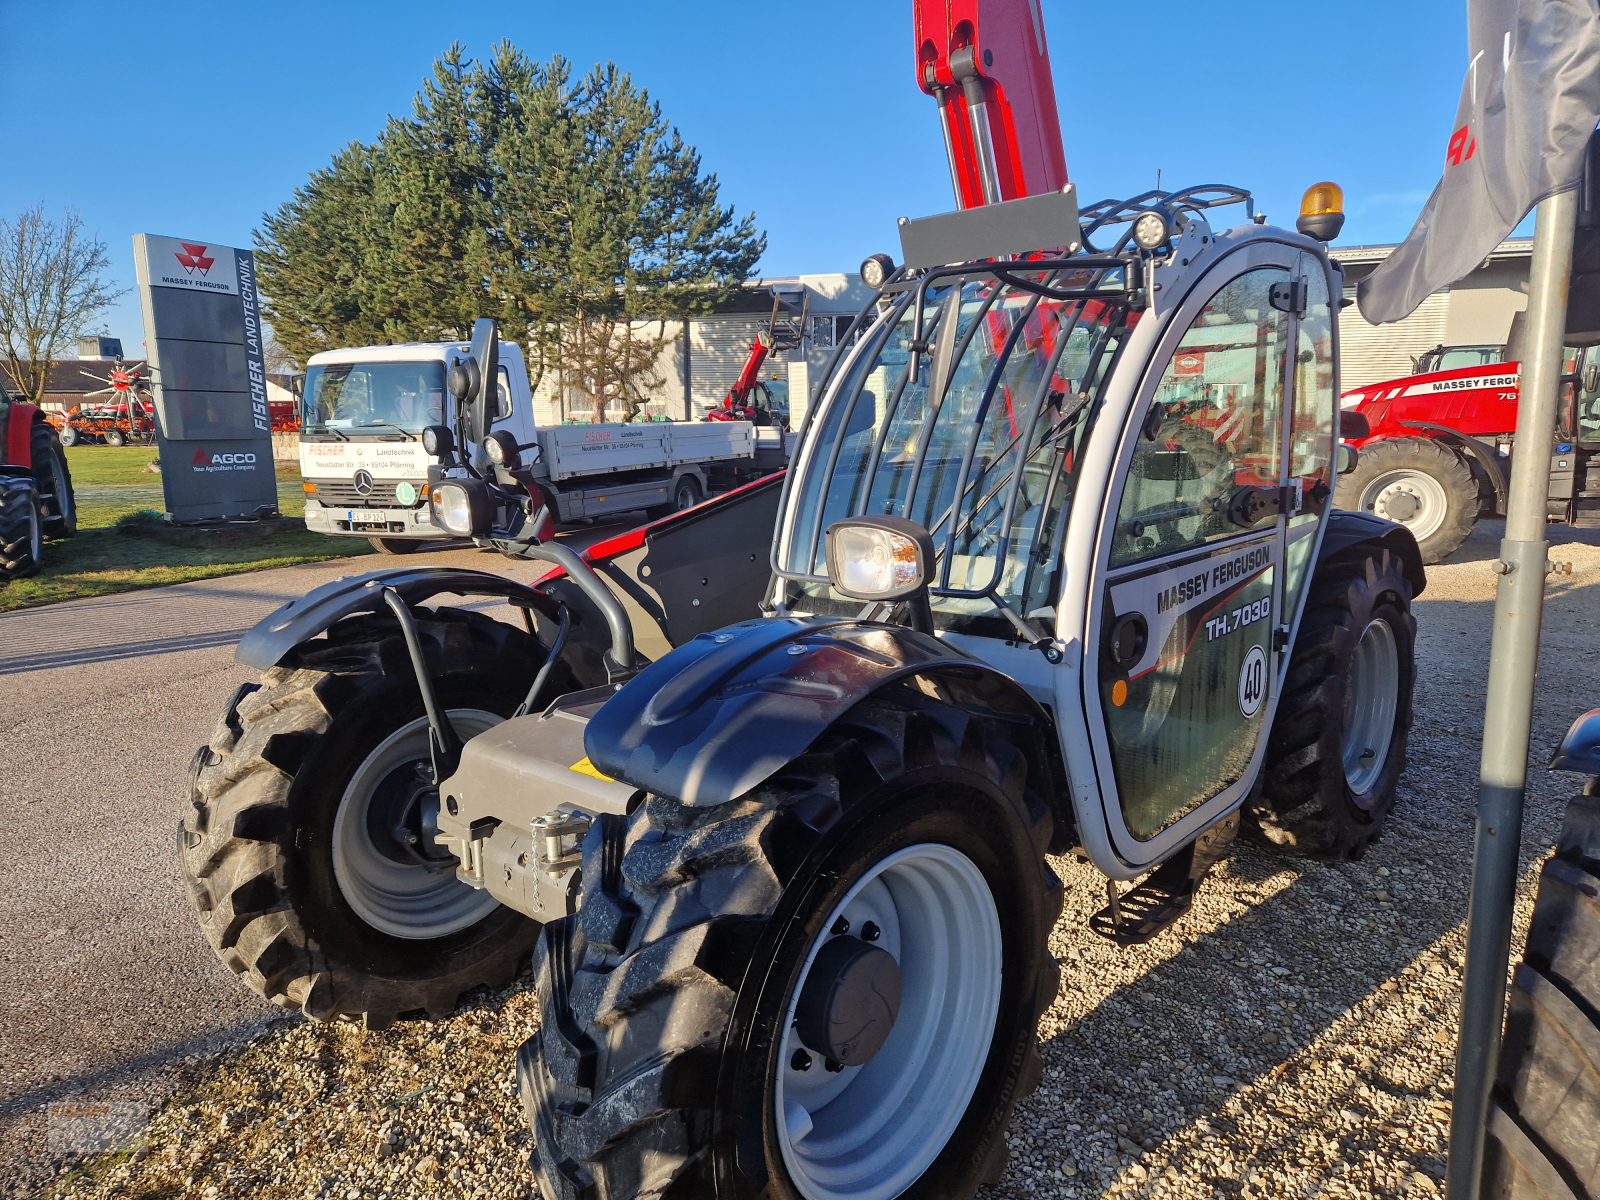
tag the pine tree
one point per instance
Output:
(569, 210)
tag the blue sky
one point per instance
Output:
(192, 119)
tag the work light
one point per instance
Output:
(876, 269)
(462, 507)
(1151, 229)
(502, 449)
(878, 558)
(437, 440)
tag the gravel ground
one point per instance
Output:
(1292, 1036)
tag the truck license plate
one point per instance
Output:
(364, 520)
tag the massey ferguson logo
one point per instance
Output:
(206, 462)
(194, 259)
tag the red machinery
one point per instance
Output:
(1439, 453)
(36, 500)
(749, 399)
(987, 65)
(126, 414)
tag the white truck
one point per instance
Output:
(365, 470)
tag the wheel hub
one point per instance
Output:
(1414, 499)
(850, 1001)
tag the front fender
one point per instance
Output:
(1347, 528)
(724, 711)
(300, 620)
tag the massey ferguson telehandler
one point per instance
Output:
(767, 787)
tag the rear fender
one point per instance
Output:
(726, 710)
(300, 620)
(17, 450)
(1350, 529)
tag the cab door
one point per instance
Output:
(1187, 627)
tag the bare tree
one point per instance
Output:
(50, 290)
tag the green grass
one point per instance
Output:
(110, 482)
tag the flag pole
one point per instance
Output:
(1508, 705)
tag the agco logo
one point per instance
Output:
(205, 461)
(194, 259)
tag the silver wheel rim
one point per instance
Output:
(1370, 704)
(35, 531)
(869, 1132)
(404, 900)
(1411, 498)
(66, 504)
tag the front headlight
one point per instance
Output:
(461, 507)
(878, 558)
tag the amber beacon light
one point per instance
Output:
(1322, 211)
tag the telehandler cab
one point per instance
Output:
(768, 787)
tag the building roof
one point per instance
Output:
(71, 376)
(1511, 248)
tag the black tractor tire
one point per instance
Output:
(397, 545)
(1545, 1108)
(1354, 655)
(1423, 468)
(665, 1000)
(69, 436)
(114, 437)
(260, 844)
(21, 527)
(54, 478)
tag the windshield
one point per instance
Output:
(978, 445)
(374, 395)
(1456, 357)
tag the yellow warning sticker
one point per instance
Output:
(584, 767)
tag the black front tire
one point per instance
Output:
(397, 545)
(58, 506)
(1315, 799)
(664, 1000)
(1545, 1108)
(115, 437)
(261, 848)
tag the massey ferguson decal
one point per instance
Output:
(193, 258)
(1199, 601)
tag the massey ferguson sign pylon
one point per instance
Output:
(202, 322)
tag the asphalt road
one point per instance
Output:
(106, 985)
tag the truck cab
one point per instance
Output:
(362, 462)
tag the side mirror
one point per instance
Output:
(1353, 425)
(1591, 377)
(1345, 458)
(472, 381)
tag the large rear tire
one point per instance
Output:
(1546, 1104)
(57, 505)
(678, 1054)
(307, 843)
(1420, 483)
(21, 527)
(1338, 742)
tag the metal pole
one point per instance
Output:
(1513, 663)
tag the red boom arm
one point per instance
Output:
(987, 64)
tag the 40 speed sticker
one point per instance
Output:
(1253, 681)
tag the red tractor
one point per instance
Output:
(35, 488)
(1439, 453)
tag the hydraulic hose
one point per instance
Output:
(592, 586)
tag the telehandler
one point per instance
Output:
(767, 788)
